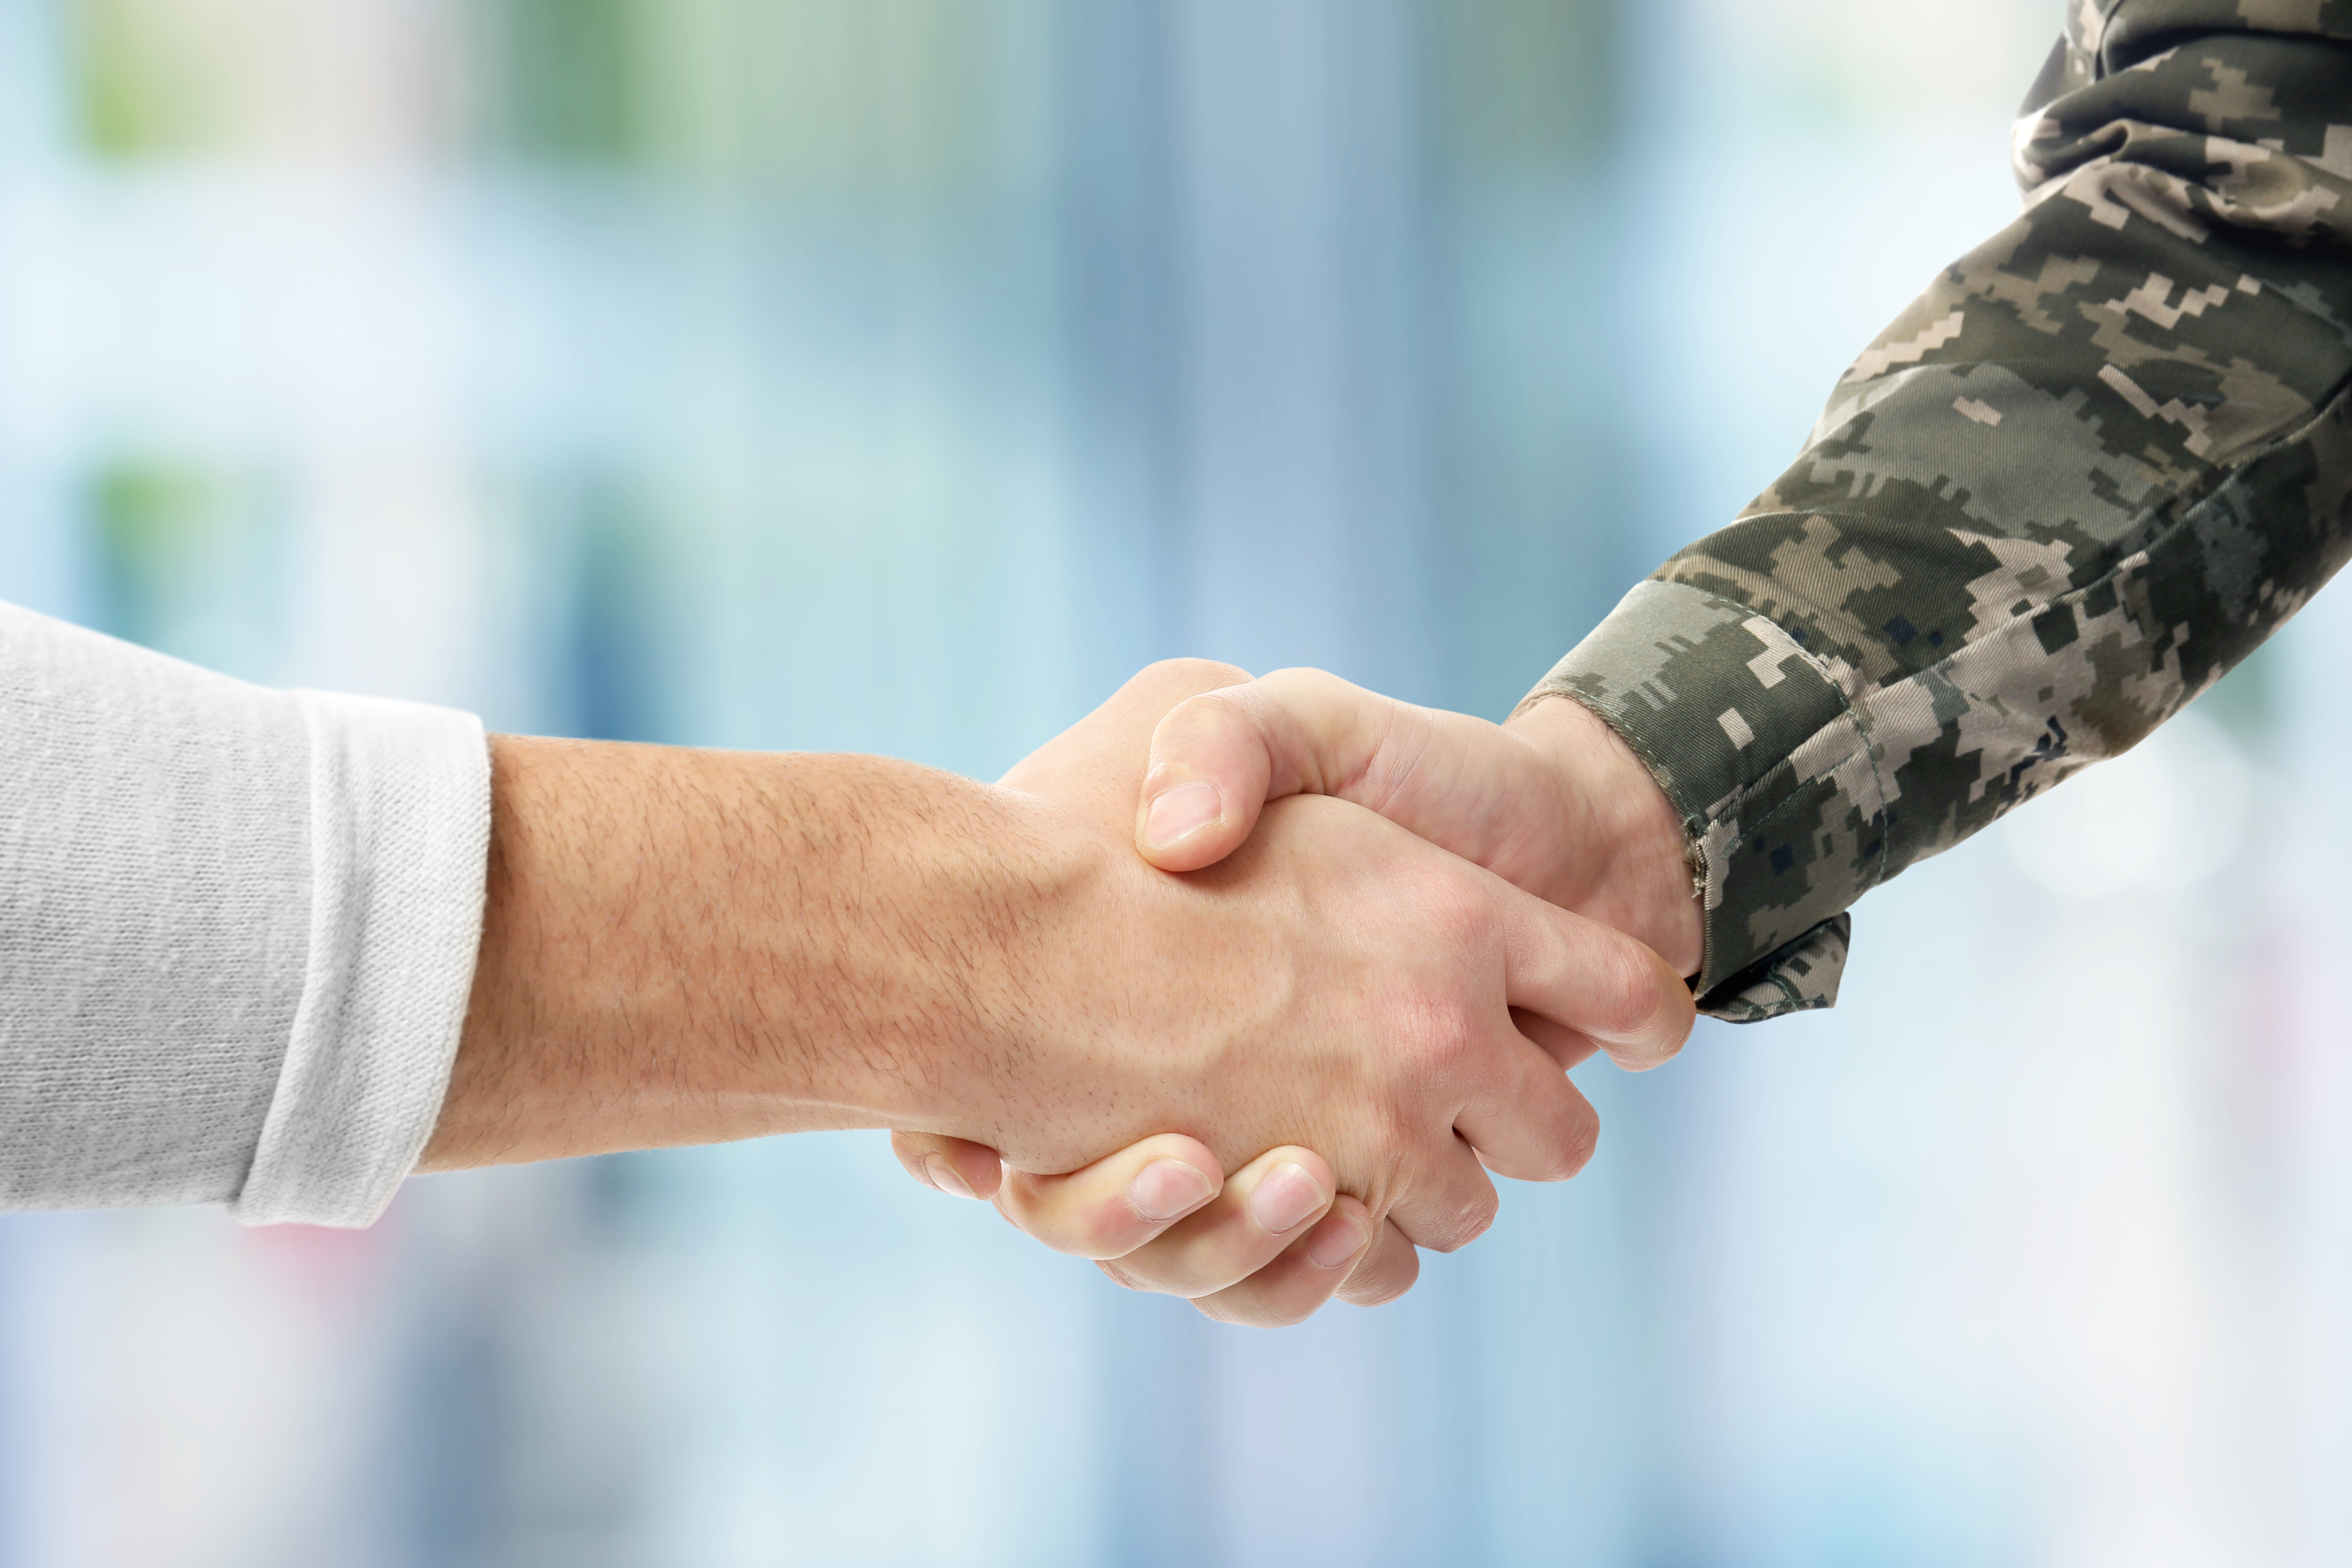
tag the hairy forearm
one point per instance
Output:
(690, 947)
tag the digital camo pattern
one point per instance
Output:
(2091, 468)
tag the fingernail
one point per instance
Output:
(944, 1177)
(1166, 1188)
(1336, 1241)
(1284, 1199)
(1186, 808)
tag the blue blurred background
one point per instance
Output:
(900, 374)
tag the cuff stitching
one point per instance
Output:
(1866, 746)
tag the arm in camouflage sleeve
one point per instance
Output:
(2100, 460)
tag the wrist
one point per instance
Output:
(1642, 881)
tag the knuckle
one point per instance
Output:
(1236, 1315)
(1470, 1219)
(1244, 1308)
(1478, 1214)
(1437, 1036)
(1392, 1139)
(1199, 708)
(1224, 715)
(1090, 1229)
(1117, 1276)
(1456, 912)
(1097, 1236)
(1388, 1270)
(1207, 672)
(1570, 1149)
(1017, 1202)
(1624, 990)
(1304, 680)
(1583, 1141)
(1382, 1282)
(1201, 731)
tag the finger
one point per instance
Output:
(1217, 759)
(1266, 1208)
(1595, 982)
(1479, 790)
(1385, 1272)
(1540, 1127)
(1307, 1273)
(1450, 1201)
(1116, 1205)
(1511, 1101)
(1566, 1046)
(950, 1166)
(1099, 754)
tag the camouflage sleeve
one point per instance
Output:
(2097, 463)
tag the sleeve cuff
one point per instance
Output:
(1801, 977)
(1761, 747)
(400, 821)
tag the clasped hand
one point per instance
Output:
(1361, 945)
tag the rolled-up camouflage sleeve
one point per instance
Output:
(2099, 461)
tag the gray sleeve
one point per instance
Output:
(237, 930)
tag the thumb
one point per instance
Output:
(1218, 758)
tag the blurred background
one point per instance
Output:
(898, 376)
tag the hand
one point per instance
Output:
(683, 946)
(1553, 802)
(1330, 933)
(1265, 1250)
(1477, 787)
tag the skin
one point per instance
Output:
(686, 947)
(1553, 801)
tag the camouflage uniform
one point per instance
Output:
(2097, 463)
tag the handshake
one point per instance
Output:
(1312, 961)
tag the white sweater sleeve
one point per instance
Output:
(238, 932)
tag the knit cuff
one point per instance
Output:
(400, 823)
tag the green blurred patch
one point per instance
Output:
(569, 82)
(147, 79)
(850, 101)
(185, 562)
(833, 99)
(1524, 87)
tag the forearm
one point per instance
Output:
(686, 947)
(690, 947)
(2099, 461)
